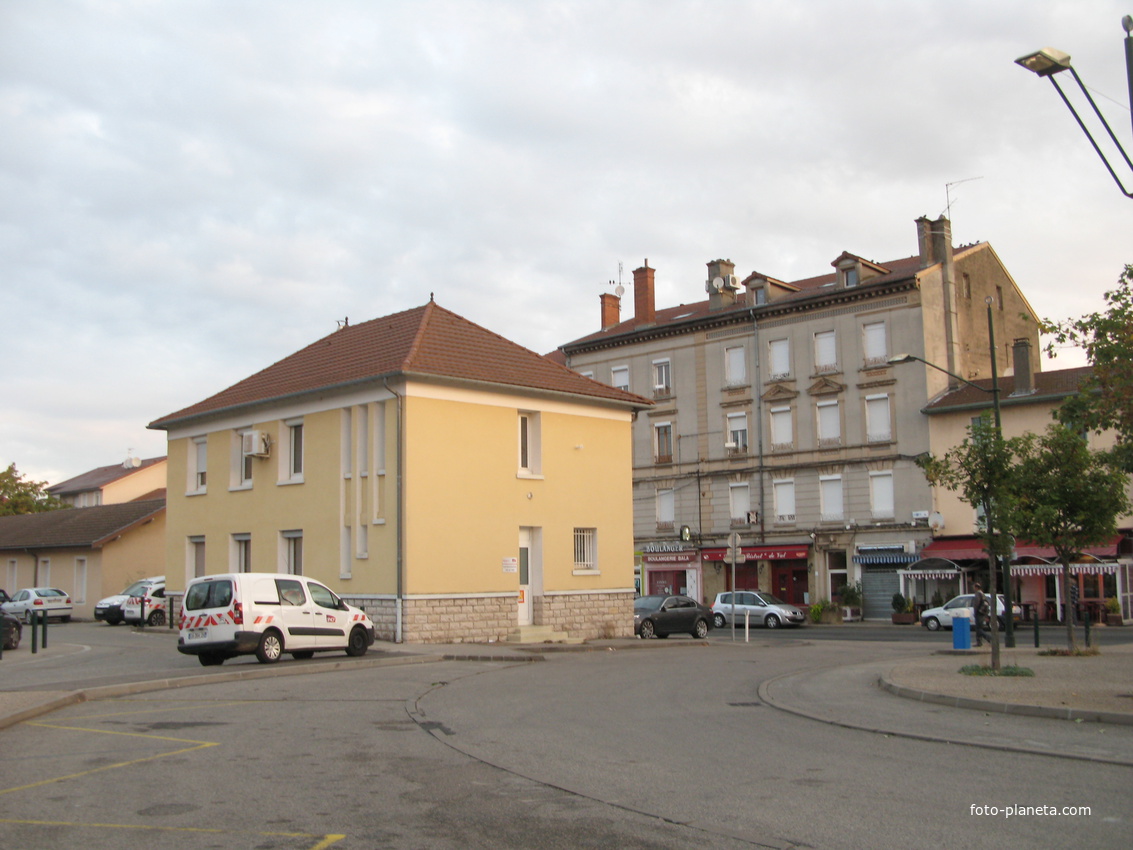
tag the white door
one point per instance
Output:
(526, 608)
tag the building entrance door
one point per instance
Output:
(790, 582)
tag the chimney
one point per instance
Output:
(941, 232)
(924, 241)
(611, 309)
(1024, 377)
(644, 309)
(721, 284)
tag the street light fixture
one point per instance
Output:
(1049, 62)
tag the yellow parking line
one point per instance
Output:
(193, 705)
(324, 840)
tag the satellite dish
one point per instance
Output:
(717, 283)
(936, 521)
(619, 290)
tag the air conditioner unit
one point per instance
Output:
(255, 444)
(911, 547)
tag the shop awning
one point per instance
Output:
(788, 552)
(938, 568)
(972, 549)
(885, 558)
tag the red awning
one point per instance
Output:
(788, 552)
(972, 548)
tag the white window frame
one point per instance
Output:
(782, 426)
(739, 502)
(291, 551)
(195, 556)
(198, 465)
(735, 366)
(662, 377)
(879, 425)
(783, 494)
(736, 433)
(875, 344)
(347, 442)
(291, 456)
(825, 352)
(779, 359)
(79, 585)
(666, 508)
(832, 498)
(660, 428)
(881, 495)
(242, 465)
(364, 440)
(240, 554)
(617, 373)
(529, 444)
(828, 423)
(585, 550)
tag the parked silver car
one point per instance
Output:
(756, 607)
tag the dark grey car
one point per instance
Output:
(661, 616)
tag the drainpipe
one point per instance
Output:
(399, 601)
(756, 385)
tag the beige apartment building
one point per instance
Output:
(778, 414)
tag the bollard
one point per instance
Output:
(1086, 620)
(43, 614)
(34, 636)
(1036, 630)
(747, 626)
(142, 609)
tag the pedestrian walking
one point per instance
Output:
(981, 609)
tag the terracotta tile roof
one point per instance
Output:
(427, 341)
(75, 527)
(809, 288)
(98, 478)
(1048, 387)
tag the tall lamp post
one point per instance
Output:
(1049, 62)
(994, 563)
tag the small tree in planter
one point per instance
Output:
(902, 616)
(1113, 612)
(852, 601)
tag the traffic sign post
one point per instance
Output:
(734, 555)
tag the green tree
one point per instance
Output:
(1106, 398)
(21, 496)
(1066, 496)
(980, 470)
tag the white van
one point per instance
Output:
(153, 598)
(269, 614)
(110, 608)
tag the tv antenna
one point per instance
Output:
(619, 290)
(948, 194)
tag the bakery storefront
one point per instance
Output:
(669, 569)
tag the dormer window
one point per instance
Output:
(850, 276)
(759, 296)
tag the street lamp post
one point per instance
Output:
(1049, 62)
(993, 559)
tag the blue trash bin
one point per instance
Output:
(961, 633)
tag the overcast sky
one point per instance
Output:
(190, 191)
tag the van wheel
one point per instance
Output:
(357, 644)
(303, 654)
(157, 618)
(210, 659)
(270, 648)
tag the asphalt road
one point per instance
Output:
(663, 744)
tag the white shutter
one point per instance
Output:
(830, 488)
(735, 366)
(878, 429)
(785, 501)
(881, 493)
(825, 352)
(780, 358)
(781, 426)
(829, 423)
(874, 343)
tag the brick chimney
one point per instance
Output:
(611, 309)
(644, 308)
(1024, 376)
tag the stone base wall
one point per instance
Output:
(588, 616)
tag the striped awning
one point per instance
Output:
(938, 568)
(1056, 569)
(885, 558)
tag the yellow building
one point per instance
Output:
(454, 484)
(955, 558)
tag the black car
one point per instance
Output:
(662, 616)
(11, 630)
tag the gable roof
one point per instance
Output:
(1049, 386)
(75, 527)
(96, 479)
(424, 342)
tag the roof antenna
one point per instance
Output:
(343, 323)
(619, 290)
(948, 194)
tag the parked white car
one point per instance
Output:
(109, 610)
(154, 598)
(32, 600)
(268, 614)
(941, 618)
